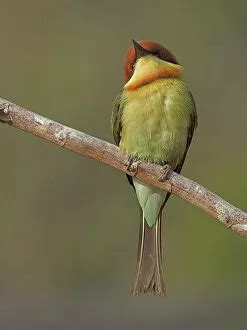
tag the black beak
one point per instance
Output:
(140, 51)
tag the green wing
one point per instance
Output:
(116, 118)
(116, 124)
(191, 129)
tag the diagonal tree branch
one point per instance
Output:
(109, 154)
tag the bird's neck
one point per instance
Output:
(149, 69)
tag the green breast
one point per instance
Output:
(155, 121)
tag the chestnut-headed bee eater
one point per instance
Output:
(153, 120)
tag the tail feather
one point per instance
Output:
(149, 275)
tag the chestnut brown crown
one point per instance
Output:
(153, 48)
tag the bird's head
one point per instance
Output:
(146, 61)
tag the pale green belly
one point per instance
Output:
(155, 122)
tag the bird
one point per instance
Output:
(153, 120)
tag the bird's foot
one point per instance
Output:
(165, 170)
(131, 166)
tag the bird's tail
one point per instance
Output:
(149, 273)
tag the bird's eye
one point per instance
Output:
(132, 65)
(157, 54)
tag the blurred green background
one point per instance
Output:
(69, 226)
